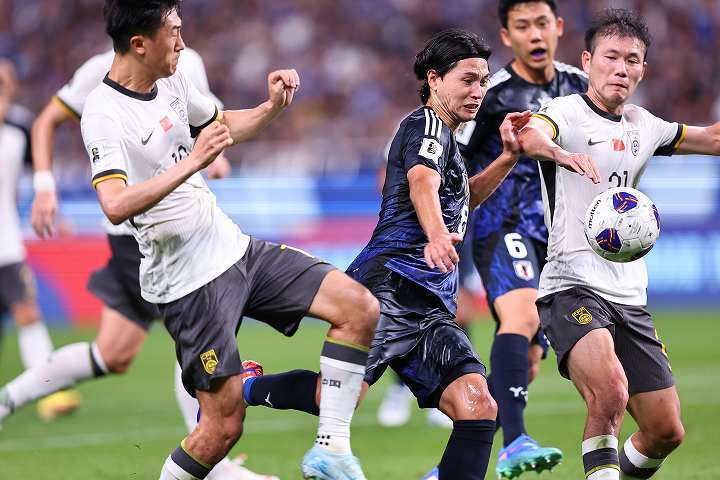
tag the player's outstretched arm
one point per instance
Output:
(246, 124)
(484, 183)
(424, 186)
(45, 203)
(700, 140)
(536, 141)
(121, 202)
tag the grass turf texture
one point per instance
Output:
(127, 425)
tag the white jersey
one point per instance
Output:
(72, 96)
(621, 146)
(13, 150)
(185, 240)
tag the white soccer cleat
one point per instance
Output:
(235, 470)
(321, 464)
(437, 418)
(395, 408)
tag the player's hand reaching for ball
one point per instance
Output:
(440, 251)
(210, 143)
(282, 85)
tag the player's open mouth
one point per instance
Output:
(473, 107)
(538, 54)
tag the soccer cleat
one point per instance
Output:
(525, 455)
(396, 406)
(433, 475)
(235, 470)
(251, 369)
(436, 418)
(321, 464)
(58, 404)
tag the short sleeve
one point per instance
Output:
(202, 110)
(108, 159)
(555, 113)
(421, 142)
(71, 97)
(668, 135)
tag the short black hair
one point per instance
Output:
(619, 22)
(442, 52)
(504, 6)
(127, 18)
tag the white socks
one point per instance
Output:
(65, 367)
(342, 368)
(600, 458)
(35, 344)
(171, 471)
(635, 465)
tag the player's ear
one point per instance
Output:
(137, 44)
(585, 59)
(505, 37)
(560, 26)
(432, 79)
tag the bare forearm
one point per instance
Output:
(42, 140)
(127, 202)
(425, 199)
(486, 182)
(538, 145)
(246, 124)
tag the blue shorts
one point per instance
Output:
(417, 337)
(507, 261)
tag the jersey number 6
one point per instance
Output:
(515, 247)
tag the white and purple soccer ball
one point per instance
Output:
(622, 224)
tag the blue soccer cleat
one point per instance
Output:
(433, 475)
(525, 455)
(321, 464)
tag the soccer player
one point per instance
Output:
(509, 235)
(593, 310)
(198, 267)
(409, 263)
(17, 285)
(126, 316)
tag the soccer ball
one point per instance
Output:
(622, 224)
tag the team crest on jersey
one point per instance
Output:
(209, 361)
(431, 149)
(179, 108)
(524, 269)
(634, 137)
(582, 316)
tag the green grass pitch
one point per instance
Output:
(127, 425)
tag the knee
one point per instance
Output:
(667, 436)
(118, 362)
(365, 310)
(609, 401)
(230, 432)
(475, 403)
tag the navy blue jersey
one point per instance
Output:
(398, 241)
(517, 203)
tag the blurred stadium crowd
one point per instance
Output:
(354, 58)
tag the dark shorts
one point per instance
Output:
(117, 284)
(418, 338)
(569, 315)
(17, 284)
(508, 261)
(272, 283)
